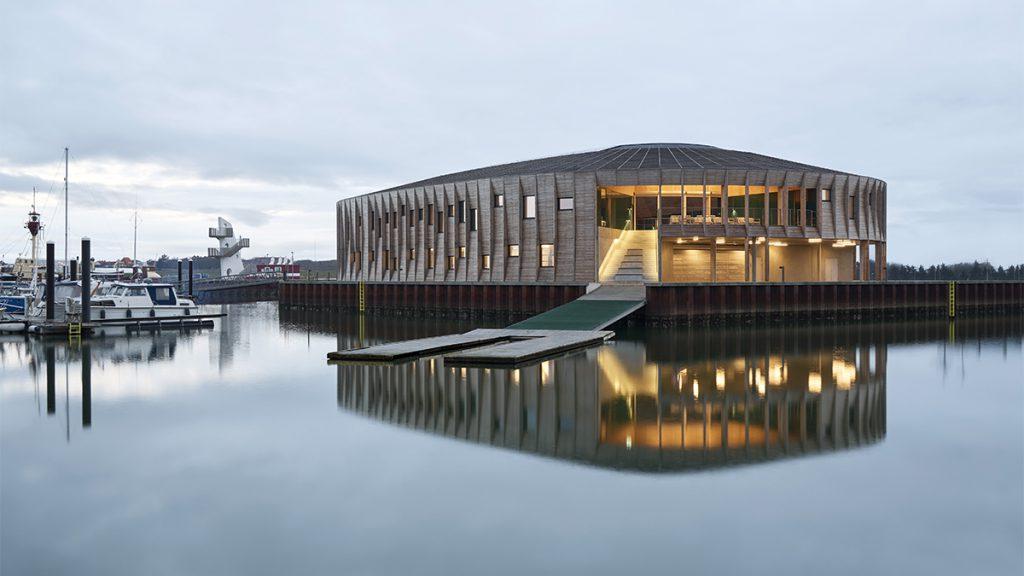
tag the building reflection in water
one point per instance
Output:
(685, 400)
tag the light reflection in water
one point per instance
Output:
(640, 405)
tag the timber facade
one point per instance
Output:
(646, 213)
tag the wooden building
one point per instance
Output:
(640, 213)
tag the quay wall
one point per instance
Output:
(669, 304)
(440, 300)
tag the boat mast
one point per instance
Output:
(67, 263)
(34, 226)
(135, 239)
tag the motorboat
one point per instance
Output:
(124, 302)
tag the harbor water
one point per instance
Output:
(854, 448)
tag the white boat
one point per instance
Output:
(121, 302)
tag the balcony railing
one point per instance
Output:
(222, 232)
(755, 217)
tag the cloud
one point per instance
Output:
(264, 107)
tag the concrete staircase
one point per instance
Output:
(633, 259)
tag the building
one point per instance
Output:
(228, 250)
(651, 213)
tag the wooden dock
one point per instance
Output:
(490, 346)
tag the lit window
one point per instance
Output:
(513, 250)
(565, 203)
(412, 253)
(430, 258)
(499, 200)
(547, 255)
(826, 195)
(462, 251)
(529, 206)
(474, 218)
(451, 210)
(485, 261)
(451, 262)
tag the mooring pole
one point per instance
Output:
(190, 293)
(49, 281)
(74, 270)
(181, 284)
(86, 280)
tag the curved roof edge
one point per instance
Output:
(641, 156)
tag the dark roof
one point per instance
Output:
(629, 157)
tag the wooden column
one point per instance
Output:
(864, 253)
(746, 260)
(714, 260)
(880, 261)
(753, 260)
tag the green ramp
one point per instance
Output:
(582, 314)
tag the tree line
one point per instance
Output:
(961, 271)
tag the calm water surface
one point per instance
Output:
(862, 449)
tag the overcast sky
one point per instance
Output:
(268, 114)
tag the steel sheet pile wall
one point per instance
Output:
(710, 303)
(433, 300)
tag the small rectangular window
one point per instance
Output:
(565, 203)
(440, 221)
(430, 258)
(826, 195)
(412, 253)
(529, 207)
(430, 214)
(387, 261)
(485, 261)
(462, 211)
(462, 251)
(386, 214)
(373, 256)
(513, 250)
(394, 219)
(451, 210)
(419, 214)
(547, 255)
(451, 262)
(412, 215)
(853, 207)
(499, 200)
(474, 218)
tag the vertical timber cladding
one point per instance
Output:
(390, 248)
(389, 236)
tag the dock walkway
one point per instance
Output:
(594, 311)
(574, 325)
(500, 346)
